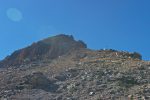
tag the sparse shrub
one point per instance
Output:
(136, 55)
(39, 81)
(127, 81)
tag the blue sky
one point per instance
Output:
(116, 24)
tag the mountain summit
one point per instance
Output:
(49, 48)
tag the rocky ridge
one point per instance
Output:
(73, 72)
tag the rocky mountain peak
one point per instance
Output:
(49, 48)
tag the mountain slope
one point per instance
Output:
(76, 74)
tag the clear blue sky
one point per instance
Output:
(116, 24)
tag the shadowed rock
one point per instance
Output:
(39, 81)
